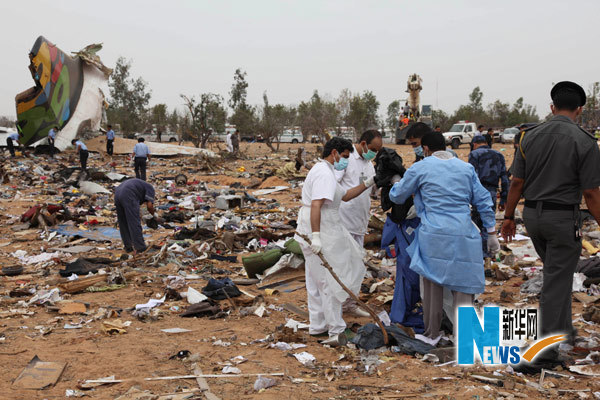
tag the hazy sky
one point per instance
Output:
(289, 48)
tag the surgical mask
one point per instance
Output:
(340, 165)
(419, 151)
(369, 154)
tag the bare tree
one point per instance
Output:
(273, 121)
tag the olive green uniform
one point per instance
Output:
(558, 160)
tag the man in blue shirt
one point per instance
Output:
(52, 135)
(141, 153)
(9, 142)
(52, 138)
(110, 138)
(129, 196)
(491, 168)
(81, 148)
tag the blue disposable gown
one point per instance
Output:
(447, 246)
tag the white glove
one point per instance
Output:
(412, 213)
(493, 244)
(370, 181)
(316, 242)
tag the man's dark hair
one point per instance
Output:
(338, 143)
(480, 127)
(109, 126)
(437, 126)
(418, 130)
(73, 141)
(566, 99)
(369, 135)
(141, 140)
(237, 131)
(434, 141)
(490, 130)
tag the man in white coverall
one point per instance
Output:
(355, 213)
(319, 218)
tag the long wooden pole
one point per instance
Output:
(350, 292)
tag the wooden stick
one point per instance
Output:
(170, 378)
(202, 384)
(350, 293)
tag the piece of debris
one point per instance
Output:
(39, 374)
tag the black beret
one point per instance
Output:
(569, 87)
(479, 139)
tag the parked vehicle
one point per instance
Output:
(222, 136)
(508, 135)
(461, 132)
(291, 135)
(152, 136)
(388, 136)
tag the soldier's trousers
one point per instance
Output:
(109, 146)
(11, 147)
(130, 227)
(140, 167)
(83, 157)
(553, 235)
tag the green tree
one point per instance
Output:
(363, 112)
(472, 111)
(441, 119)
(205, 117)
(316, 117)
(342, 104)
(174, 122)
(521, 113)
(159, 118)
(590, 117)
(497, 114)
(128, 98)
(243, 116)
(475, 99)
(239, 89)
(393, 114)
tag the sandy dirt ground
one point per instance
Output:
(144, 351)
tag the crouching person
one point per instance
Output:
(129, 196)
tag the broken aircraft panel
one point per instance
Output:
(68, 93)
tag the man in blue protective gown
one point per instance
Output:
(446, 250)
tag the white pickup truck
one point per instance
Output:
(461, 132)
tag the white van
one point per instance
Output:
(291, 136)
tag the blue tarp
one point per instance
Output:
(406, 291)
(98, 234)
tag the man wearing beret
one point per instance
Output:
(556, 163)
